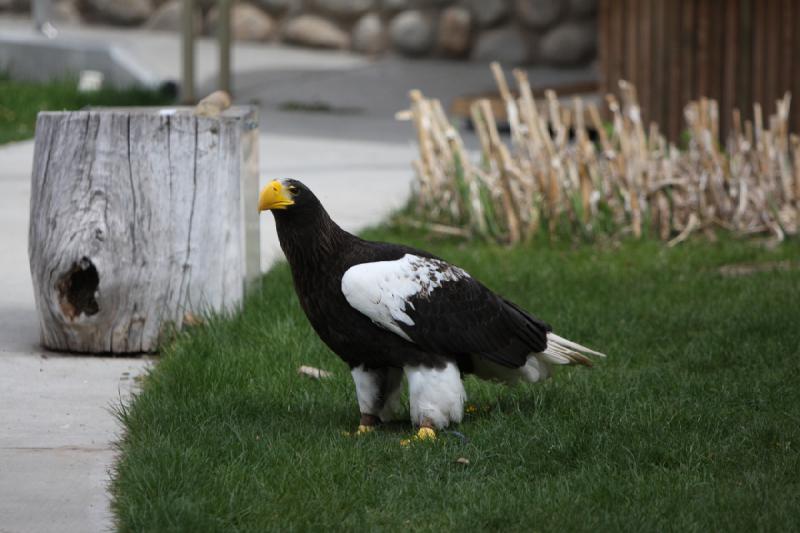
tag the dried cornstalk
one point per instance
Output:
(631, 180)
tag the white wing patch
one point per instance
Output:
(382, 290)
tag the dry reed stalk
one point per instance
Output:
(498, 152)
(630, 175)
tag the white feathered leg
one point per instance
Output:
(436, 395)
(378, 393)
(392, 387)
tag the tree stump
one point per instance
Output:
(140, 219)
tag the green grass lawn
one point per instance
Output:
(21, 101)
(692, 423)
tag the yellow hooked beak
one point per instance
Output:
(273, 196)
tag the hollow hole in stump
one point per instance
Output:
(77, 288)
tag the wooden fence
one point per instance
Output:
(737, 52)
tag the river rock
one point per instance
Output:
(65, 12)
(22, 6)
(248, 23)
(438, 4)
(311, 30)
(582, 8)
(345, 9)
(393, 6)
(539, 14)
(168, 18)
(412, 32)
(487, 12)
(454, 31)
(367, 36)
(569, 44)
(277, 7)
(123, 12)
(505, 45)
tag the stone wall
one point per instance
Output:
(552, 32)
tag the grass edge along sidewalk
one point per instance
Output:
(21, 101)
(691, 423)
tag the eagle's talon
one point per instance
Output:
(362, 430)
(424, 434)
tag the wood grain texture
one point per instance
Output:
(744, 63)
(737, 52)
(631, 27)
(645, 59)
(659, 97)
(674, 109)
(794, 85)
(605, 48)
(758, 73)
(688, 30)
(136, 222)
(729, 64)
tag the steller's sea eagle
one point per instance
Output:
(388, 310)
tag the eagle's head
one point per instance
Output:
(304, 227)
(287, 195)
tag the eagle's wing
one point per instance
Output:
(443, 310)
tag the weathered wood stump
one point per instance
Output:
(140, 218)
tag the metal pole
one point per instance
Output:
(224, 36)
(187, 44)
(41, 13)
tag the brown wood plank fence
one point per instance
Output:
(737, 52)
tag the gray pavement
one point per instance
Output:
(56, 426)
(56, 429)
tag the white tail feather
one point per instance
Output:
(561, 351)
(554, 358)
(552, 337)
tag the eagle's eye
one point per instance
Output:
(292, 189)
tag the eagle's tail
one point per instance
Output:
(561, 351)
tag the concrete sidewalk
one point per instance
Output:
(56, 428)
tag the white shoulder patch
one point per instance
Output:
(382, 290)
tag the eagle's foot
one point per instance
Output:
(367, 423)
(426, 432)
